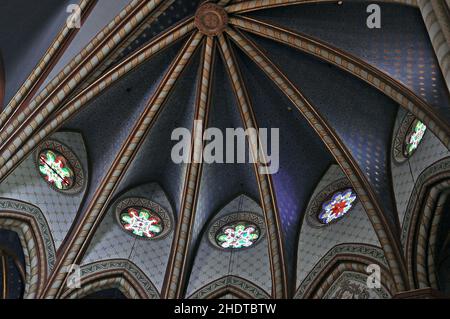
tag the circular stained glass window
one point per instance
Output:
(56, 170)
(413, 138)
(141, 222)
(237, 235)
(338, 206)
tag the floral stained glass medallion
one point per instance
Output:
(56, 170)
(237, 235)
(141, 222)
(338, 206)
(414, 137)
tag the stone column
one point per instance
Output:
(436, 15)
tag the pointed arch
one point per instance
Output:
(355, 227)
(37, 76)
(353, 65)
(110, 241)
(343, 258)
(116, 273)
(422, 218)
(59, 208)
(215, 264)
(234, 285)
(386, 233)
(34, 234)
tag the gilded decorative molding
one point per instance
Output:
(33, 115)
(341, 154)
(16, 153)
(268, 201)
(360, 69)
(97, 207)
(437, 171)
(175, 275)
(437, 20)
(422, 214)
(250, 217)
(2, 81)
(166, 217)
(72, 159)
(400, 137)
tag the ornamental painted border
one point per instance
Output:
(72, 159)
(36, 241)
(436, 169)
(398, 143)
(106, 266)
(419, 224)
(315, 206)
(230, 281)
(360, 278)
(249, 217)
(363, 250)
(26, 209)
(166, 217)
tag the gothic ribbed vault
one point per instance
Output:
(109, 95)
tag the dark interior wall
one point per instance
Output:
(443, 251)
(11, 257)
(112, 293)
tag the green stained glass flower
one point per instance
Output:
(141, 222)
(237, 235)
(56, 170)
(414, 137)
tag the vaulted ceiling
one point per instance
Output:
(113, 92)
